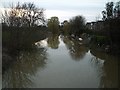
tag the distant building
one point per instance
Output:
(95, 26)
(88, 25)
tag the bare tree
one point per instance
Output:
(26, 14)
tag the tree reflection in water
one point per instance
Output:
(109, 69)
(26, 64)
(76, 50)
(53, 41)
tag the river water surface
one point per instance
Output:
(62, 62)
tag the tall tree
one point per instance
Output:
(26, 14)
(66, 27)
(53, 24)
(109, 9)
(117, 9)
(77, 25)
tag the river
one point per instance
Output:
(62, 62)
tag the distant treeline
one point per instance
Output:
(21, 26)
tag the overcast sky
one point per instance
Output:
(66, 9)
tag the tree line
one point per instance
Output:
(106, 33)
(111, 19)
(29, 15)
(76, 25)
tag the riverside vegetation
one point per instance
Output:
(25, 25)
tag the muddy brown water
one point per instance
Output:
(61, 62)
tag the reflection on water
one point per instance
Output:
(75, 48)
(25, 66)
(109, 75)
(53, 41)
(53, 65)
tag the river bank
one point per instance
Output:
(17, 39)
